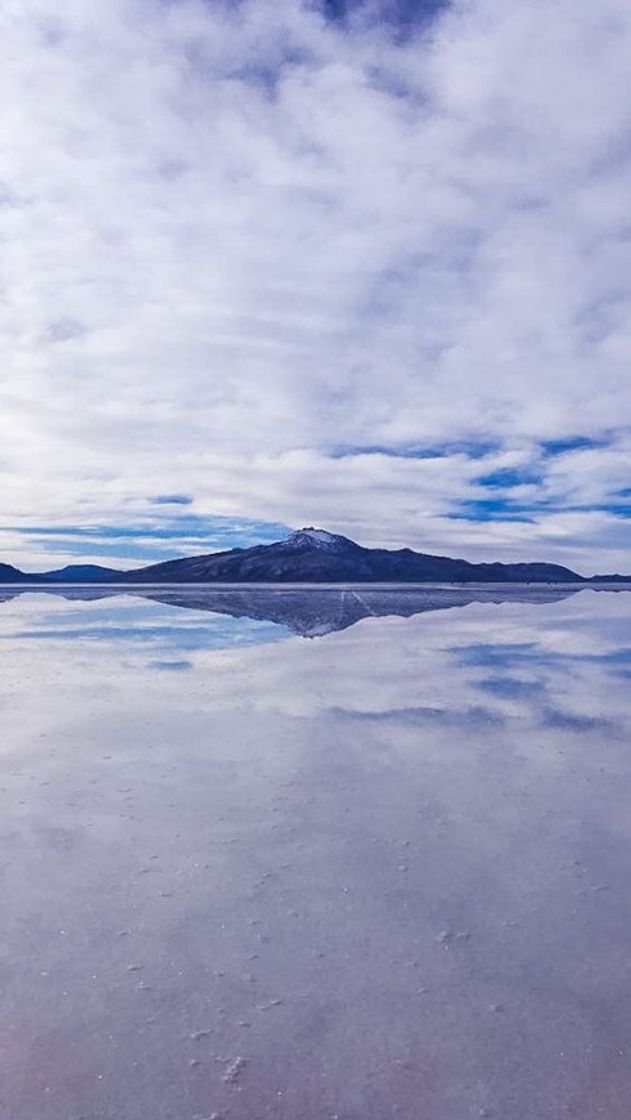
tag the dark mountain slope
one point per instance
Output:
(315, 556)
(80, 573)
(9, 574)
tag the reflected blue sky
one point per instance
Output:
(123, 621)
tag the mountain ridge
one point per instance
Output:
(316, 556)
(312, 555)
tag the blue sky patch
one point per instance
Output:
(172, 500)
(490, 509)
(618, 509)
(401, 15)
(571, 443)
(509, 477)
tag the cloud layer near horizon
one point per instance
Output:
(279, 268)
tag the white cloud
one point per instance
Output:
(237, 240)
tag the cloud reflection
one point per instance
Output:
(387, 833)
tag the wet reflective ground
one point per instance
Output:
(307, 859)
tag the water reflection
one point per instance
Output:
(385, 874)
(310, 612)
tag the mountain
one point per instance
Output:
(9, 574)
(316, 556)
(83, 573)
(313, 556)
(609, 579)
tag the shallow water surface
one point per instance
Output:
(315, 854)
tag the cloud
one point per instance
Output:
(150, 539)
(313, 269)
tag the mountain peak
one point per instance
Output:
(310, 537)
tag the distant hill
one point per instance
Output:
(9, 574)
(83, 573)
(317, 556)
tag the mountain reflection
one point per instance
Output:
(313, 612)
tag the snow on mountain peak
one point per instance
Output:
(319, 535)
(317, 538)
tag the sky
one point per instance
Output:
(273, 263)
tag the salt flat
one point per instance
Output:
(299, 864)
